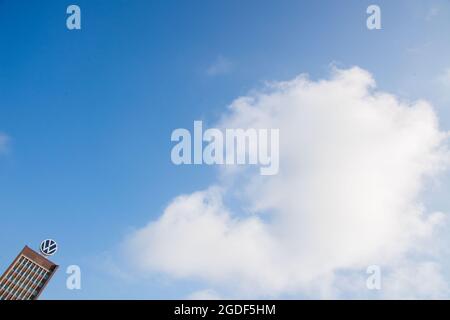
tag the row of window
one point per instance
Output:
(24, 275)
(7, 294)
(32, 275)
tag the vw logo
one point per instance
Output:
(48, 247)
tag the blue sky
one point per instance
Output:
(89, 112)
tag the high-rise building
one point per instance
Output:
(27, 276)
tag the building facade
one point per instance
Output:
(27, 276)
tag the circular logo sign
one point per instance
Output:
(48, 247)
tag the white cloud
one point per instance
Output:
(4, 141)
(432, 13)
(445, 78)
(418, 281)
(220, 66)
(353, 163)
(207, 294)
